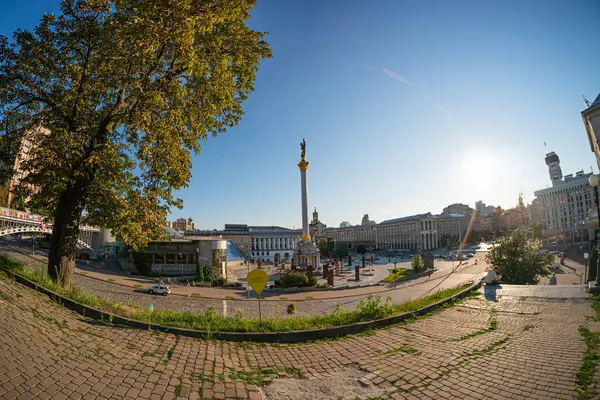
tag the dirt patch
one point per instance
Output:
(343, 384)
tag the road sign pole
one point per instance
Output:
(259, 311)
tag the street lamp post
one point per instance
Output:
(585, 274)
(594, 181)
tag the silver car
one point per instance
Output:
(159, 289)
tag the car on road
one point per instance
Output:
(159, 289)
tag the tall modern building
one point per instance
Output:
(591, 120)
(29, 141)
(553, 163)
(566, 206)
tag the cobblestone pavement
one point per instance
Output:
(534, 351)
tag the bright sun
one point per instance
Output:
(479, 166)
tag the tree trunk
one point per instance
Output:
(65, 231)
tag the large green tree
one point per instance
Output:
(520, 261)
(127, 90)
(326, 247)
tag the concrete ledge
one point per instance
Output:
(260, 337)
(592, 288)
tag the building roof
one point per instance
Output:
(272, 229)
(409, 218)
(596, 102)
(572, 182)
(450, 216)
(172, 233)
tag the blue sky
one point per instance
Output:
(406, 107)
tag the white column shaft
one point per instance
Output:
(304, 203)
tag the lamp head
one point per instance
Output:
(594, 180)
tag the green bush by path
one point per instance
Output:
(395, 275)
(368, 309)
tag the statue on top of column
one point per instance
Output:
(303, 147)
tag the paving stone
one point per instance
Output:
(434, 357)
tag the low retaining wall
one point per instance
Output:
(261, 337)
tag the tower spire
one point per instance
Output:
(585, 101)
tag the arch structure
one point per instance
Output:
(14, 222)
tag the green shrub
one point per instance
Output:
(291, 308)
(297, 279)
(417, 263)
(220, 281)
(199, 271)
(208, 272)
(373, 308)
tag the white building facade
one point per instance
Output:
(416, 232)
(273, 243)
(566, 206)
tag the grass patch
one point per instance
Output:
(110, 280)
(138, 286)
(5, 297)
(309, 297)
(230, 297)
(402, 349)
(257, 377)
(528, 327)
(283, 298)
(172, 350)
(585, 384)
(368, 309)
(397, 274)
(493, 326)
(492, 348)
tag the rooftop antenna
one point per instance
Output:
(587, 103)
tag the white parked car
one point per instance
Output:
(159, 289)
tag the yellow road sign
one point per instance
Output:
(257, 280)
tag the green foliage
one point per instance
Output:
(361, 249)
(373, 308)
(200, 271)
(395, 275)
(3, 195)
(417, 263)
(327, 247)
(207, 272)
(296, 279)
(126, 92)
(211, 321)
(219, 281)
(142, 262)
(505, 255)
(291, 308)
(342, 250)
(536, 230)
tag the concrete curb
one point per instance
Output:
(259, 337)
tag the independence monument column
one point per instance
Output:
(303, 165)
(307, 254)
